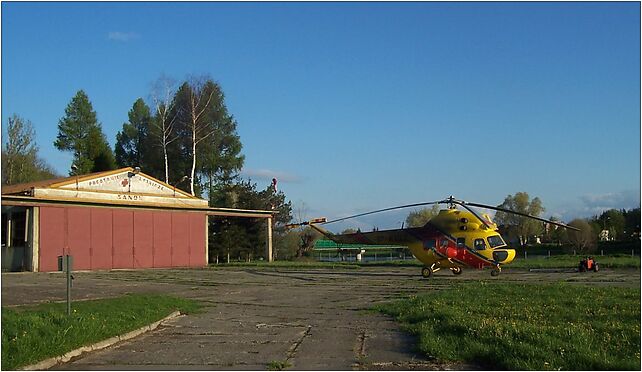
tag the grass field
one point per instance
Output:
(570, 261)
(561, 261)
(526, 326)
(33, 333)
(289, 264)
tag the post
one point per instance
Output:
(269, 239)
(67, 259)
(64, 264)
(549, 254)
(602, 252)
(525, 255)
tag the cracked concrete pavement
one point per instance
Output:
(255, 318)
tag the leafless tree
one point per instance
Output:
(163, 91)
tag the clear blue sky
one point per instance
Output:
(361, 106)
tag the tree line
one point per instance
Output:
(184, 136)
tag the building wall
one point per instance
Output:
(112, 238)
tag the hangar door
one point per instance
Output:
(111, 238)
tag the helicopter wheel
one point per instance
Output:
(426, 272)
(456, 270)
(495, 272)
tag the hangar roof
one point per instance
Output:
(123, 187)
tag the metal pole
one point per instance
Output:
(67, 259)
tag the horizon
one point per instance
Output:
(361, 106)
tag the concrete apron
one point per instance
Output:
(301, 319)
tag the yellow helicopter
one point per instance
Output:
(451, 240)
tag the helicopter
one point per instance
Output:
(453, 239)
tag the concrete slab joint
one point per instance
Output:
(50, 362)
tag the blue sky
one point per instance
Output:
(361, 106)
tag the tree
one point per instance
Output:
(523, 226)
(421, 217)
(80, 132)
(584, 240)
(20, 160)
(244, 195)
(162, 129)
(613, 220)
(194, 99)
(632, 224)
(554, 233)
(307, 237)
(220, 152)
(132, 144)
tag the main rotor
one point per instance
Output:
(451, 202)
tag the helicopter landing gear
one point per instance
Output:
(426, 272)
(456, 270)
(496, 271)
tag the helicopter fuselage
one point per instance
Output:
(457, 241)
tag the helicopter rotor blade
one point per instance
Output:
(523, 215)
(385, 210)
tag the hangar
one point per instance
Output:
(120, 219)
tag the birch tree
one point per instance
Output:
(195, 97)
(163, 125)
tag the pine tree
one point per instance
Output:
(132, 142)
(80, 132)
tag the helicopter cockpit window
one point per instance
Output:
(461, 242)
(480, 244)
(495, 241)
(444, 243)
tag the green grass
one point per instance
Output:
(526, 326)
(34, 333)
(570, 261)
(289, 264)
(277, 365)
(560, 261)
